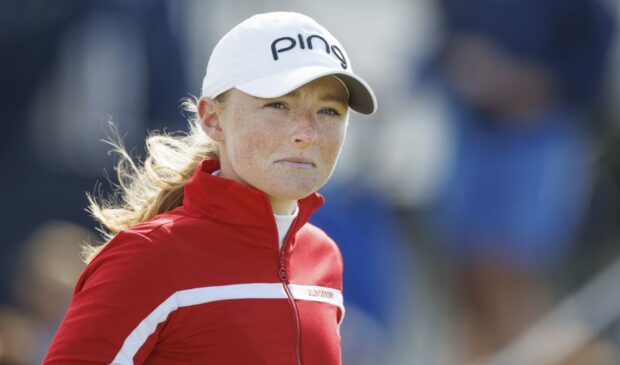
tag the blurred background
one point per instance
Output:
(478, 211)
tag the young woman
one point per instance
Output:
(210, 258)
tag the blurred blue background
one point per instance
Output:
(484, 192)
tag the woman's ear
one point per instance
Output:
(209, 113)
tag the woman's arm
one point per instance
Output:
(114, 294)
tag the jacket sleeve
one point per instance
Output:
(110, 317)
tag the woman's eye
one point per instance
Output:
(276, 105)
(329, 111)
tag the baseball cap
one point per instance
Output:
(269, 55)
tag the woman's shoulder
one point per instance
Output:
(137, 254)
(156, 237)
(144, 239)
(315, 232)
(314, 245)
(315, 236)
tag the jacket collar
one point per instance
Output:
(230, 202)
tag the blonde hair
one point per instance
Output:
(145, 189)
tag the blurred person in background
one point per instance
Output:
(67, 68)
(19, 335)
(518, 78)
(48, 265)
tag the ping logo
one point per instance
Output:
(284, 44)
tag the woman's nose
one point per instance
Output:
(304, 133)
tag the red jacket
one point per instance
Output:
(206, 284)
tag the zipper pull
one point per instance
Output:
(283, 274)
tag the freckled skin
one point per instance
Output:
(287, 146)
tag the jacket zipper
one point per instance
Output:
(284, 278)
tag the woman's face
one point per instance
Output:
(287, 146)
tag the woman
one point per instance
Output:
(210, 258)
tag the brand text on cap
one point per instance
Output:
(291, 43)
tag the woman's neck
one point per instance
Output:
(282, 206)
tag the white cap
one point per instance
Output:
(272, 54)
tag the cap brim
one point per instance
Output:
(361, 97)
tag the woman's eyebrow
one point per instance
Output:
(336, 98)
(327, 97)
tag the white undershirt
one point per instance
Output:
(283, 222)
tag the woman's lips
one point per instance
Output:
(296, 163)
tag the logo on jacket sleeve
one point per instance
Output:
(319, 293)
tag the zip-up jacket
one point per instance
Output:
(206, 284)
